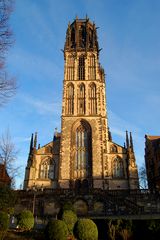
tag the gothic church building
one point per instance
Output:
(83, 155)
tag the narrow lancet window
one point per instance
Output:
(70, 68)
(70, 99)
(91, 68)
(92, 99)
(81, 99)
(81, 68)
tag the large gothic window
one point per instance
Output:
(81, 99)
(91, 68)
(81, 68)
(81, 148)
(70, 68)
(118, 169)
(70, 99)
(82, 156)
(92, 99)
(47, 169)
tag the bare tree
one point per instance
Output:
(7, 85)
(8, 155)
(143, 177)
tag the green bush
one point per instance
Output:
(56, 230)
(86, 229)
(4, 224)
(66, 206)
(70, 218)
(25, 220)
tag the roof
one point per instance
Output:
(152, 137)
(4, 177)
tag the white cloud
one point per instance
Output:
(41, 107)
(21, 139)
(33, 65)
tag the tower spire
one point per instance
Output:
(127, 140)
(131, 141)
(31, 143)
(35, 140)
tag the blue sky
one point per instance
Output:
(130, 40)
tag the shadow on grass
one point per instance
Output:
(25, 235)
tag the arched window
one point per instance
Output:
(118, 169)
(92, 99)
(91, 68)
(81, 99)
(81, 68)
(70, 68)
(70, 99)
(47, 169)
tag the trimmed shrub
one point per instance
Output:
(25, 220)
(66, 206)
(4, 224)
(86, 229)
(70, 218)
(56, 230)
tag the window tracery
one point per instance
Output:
(70, 99)
(92, 99)
(91, 68)
(70, 68)
(47, 169)
(81, 99)
(118, 169)
(81, 68)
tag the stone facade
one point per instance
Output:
(83, 155)
(152, 160)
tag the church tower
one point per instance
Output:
(85, 138)
(84, 119)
